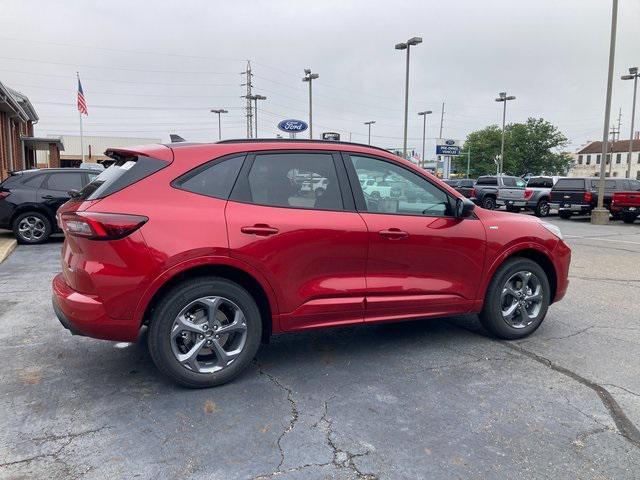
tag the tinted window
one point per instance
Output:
(634, 185)
(404, 192)
(215, 179)
(466, 183)
(487, 181)
(64, 182)
(34, 181)
(569, 184)
(453, 183)
(540, 182)
(608, 184)
(301, 180)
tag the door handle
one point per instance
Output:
(259, 229)
(393, 234)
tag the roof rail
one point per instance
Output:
(297, 140)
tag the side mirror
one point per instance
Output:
(464, 208)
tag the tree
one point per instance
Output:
(531, 147)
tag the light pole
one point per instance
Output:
(407, 46)
(222, 110)
(600, 215)
(503, 98)
(424, 131)
(255, 99)
(370, 123)
(310, 77)
(633, 75)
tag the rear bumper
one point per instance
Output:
(512, 203)
(85, 315)
(571, 208)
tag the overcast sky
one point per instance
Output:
(152, 68)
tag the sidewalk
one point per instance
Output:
(7, 244)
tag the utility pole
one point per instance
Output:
(440, 136)
(424, 131)
(369, 124)
(600, 215)
(468, 160)
(407, 46)
(219, 121)
(255, 99)
(310, 77)
(248, 97)
(615, 133)
(502, 97)
(633, 75)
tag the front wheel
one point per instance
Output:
(517, 299)
(205, 332)
(489, 203)
(542, 209)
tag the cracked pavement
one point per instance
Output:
(420, 400)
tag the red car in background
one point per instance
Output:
(217, 246)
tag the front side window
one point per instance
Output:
(397, 190)
(64, 182)
(299, 180)
(214, 179)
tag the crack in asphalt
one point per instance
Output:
(586, 329)
(606, 279)
(631, 392)
(294, 411)
(625, 426)
(69, 437)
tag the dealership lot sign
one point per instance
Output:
(447, 146)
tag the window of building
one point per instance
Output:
(301, 180)
(608, 158)
(398, 190)
(619, 158)
(214, 179)
(579, 159)
(588, 162)
(598, 159)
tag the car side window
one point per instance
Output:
(64, 182)
(213, 179)
(34, 181)
(296, 179)
(397, 190)
(508, 181)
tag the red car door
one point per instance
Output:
(292, 217)
(422, 261)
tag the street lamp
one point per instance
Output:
(255, 99)
(633, 75)
(222, 110)
(503, 98)
(424, 131)
(370, 123)
(407, 46)
(309, 77)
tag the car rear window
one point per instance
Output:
(540, 182)
(214, 179)
(569, 184)
(487, 181)
(608, 184)
(124, 172)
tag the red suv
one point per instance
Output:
(217, 246)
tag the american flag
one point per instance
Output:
(82, 103)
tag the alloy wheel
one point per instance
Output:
(521, 299)
(208, 334)
(31, 228)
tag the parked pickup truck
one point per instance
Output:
(538, 193)
(627, 203)
(490, 191)
(579, 195)
(462, 185)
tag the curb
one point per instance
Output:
(6, 247)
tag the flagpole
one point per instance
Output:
(80, 117)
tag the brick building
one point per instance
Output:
(17, 144)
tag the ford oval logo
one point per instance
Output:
(292, 126)
(450, 142)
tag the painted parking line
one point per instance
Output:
(601, 239)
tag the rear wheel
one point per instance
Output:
(629, 217)
(517, 299)
(564, 214)
(513, 209)
(489, 203)
(542, 208)
(205, 332)
(32, 228)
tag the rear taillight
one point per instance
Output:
(100, 226)
(587, 196)
(4, 194)
(473, 193)
(527, 193)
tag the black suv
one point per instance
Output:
(29, 200)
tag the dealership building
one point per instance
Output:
(588, 158)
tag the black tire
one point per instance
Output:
(489, 203)
(629, 217)
(513, 209)
(491, 315)
(564, 214)
(170, 306)
(542, 208)
(41, 228)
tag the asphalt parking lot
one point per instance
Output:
(428, 399)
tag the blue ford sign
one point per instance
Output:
(447, 147)
(292, 126)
